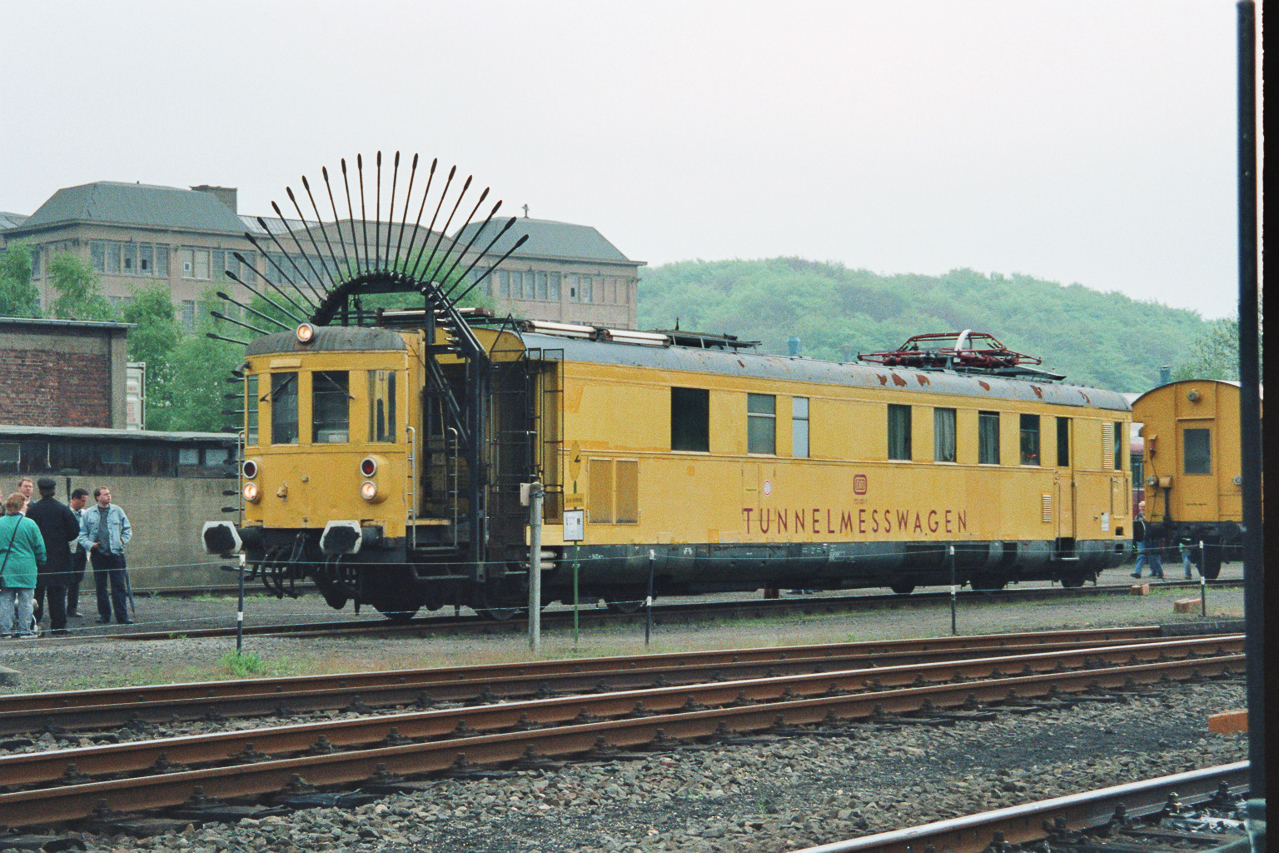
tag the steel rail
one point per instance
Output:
(115, 706)
(663, 614)
(641, 728)
(1026, 823)
(47, 767)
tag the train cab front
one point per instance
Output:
(326, 478)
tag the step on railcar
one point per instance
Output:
(384, 452)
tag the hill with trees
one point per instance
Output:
(1106, 340)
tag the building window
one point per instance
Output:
(690, 419)
(1063, 442)
(284, 408)
(553, 287)
(988, 438)
(1197, 455)
(382, 405)
(761, 423)
(35, 262)
(188, 314)
(1030, 439)
(799, 426)
(943, 435)
(898, 431)
(541, 286)
(330, 407)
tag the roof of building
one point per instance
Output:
(546, 238)
(137, 205)
(11, 220)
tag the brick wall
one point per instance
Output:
(56, 373)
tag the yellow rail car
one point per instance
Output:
(686, 460)
(1191, 463)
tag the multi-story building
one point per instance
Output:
(138, 235)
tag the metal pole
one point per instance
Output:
(239, 614)
(576, 599)
(648, 602)
(535, 568)
(1255, 591)
(954, 590)
(1203, 584)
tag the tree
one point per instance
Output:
(1214, 354)
(153, 342)
(79, 290)
(200, 367)
(18, 296)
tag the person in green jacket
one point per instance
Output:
(22, 553)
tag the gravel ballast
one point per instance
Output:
(768, 793)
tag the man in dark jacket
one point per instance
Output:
(59, 527)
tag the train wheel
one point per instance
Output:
(902, 588)
(499, 602)
(627, 605)
(1072, 580)
(1210, 565)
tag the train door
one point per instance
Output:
(1066, 496)
(1195, 496)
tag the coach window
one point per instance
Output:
(799, 427)
(1030, 439)
(1198, 452)
(690, 419)
(1063, 442)
(761, 423)
(943, 435)
(381, 405)
(1119, 446)
(988, 438)
(898, 432)
(284, 408)
(251, 410)
(330, 407)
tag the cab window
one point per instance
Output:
(251, 410)
(284, 408)
(330, 407)
(382, 405)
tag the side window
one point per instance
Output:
(898, 432)
(284, 408)
(330, 407)
(944, 435)
(799, 426)
(690, 419)
(1030, 439)
(988, 438)
(382, 405)
(1197, 455)
(1119, 446)
(251, 410)
(1063, 442)
(761, 423)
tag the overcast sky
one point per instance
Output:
(1087, 141)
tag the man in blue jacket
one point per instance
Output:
(104, 533)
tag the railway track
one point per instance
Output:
(591, 616)
(1184, 809)
(387, 751)
(107, 707)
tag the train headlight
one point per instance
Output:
(306, 333)
(251, 493)
(250, 469)
(368, 491)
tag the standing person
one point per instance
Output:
(1139, 538)
(104, 533)
(26, 487)
(79, 559)
(21, 554)
(58, 526)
